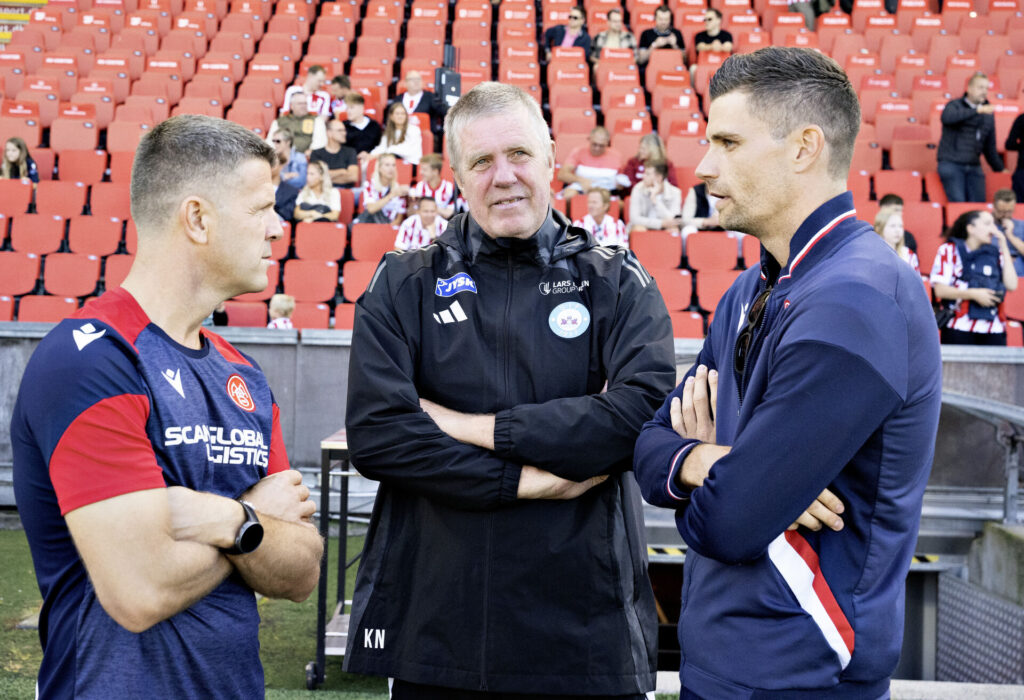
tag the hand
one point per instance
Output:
(984, 297)
(206, 518)
(824, 511)
(711, 221)
(536, 483)
(986, 109)
(693, 416)
(1000, 239)
(470, 428)
(282, 496)
(402, 190)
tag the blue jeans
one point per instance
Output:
(963, 183)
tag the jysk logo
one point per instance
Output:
(455, 284)
(239, 393)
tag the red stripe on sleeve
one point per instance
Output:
(821, 588)
(226, 349)
(105, 452)
(278, 461)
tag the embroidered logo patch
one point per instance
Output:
(569, 320)
(239, 393)
(461, 282)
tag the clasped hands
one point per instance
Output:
(693, 418)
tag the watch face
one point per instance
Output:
(250, 537)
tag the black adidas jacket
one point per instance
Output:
(461, 585)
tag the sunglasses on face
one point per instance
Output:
(575, 16)
(746, 336)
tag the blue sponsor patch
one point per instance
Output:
(461, 282)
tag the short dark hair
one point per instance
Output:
(790, 87)
(614, 10)
(341, 81)
(316, 68)
(890, 199)
(959, 227)
(716, 13)
(1005, 195)
(663, 8)
(354, 98)
(185, 154)
(657, 165)
(426, 198)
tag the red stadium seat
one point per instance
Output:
(711, 285)
(687, 324)
(311, 280)
(86, 166)
(252, 314)
(19, 272)
(676, 287)
(37, 233)
(115, 269)
(94, 235)
(323, 240)
(344, 316)
(61, 198)
(39, 308)
(657, 249)
(371, 241)
(110, 199)
(710, 251)
(6, 308)
(308, 314)
(71, 274)
(125, 136)
(751, 251)
(906, 183)
(356, 276)
(15, 196)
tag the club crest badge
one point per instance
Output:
(569, 320)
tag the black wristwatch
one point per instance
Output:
(249, 535)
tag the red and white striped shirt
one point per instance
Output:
(611, 232)
(412, 234)
(949, 270)
(444, 194)
(319, 102)
(391, 210)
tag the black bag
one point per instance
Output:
(376, 218)
(981, 268)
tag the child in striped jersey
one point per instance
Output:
(420, 229)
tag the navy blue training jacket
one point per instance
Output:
(842, 390)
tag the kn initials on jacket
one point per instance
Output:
(461, 584)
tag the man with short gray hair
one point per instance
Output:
(149, 466)
(497, 382)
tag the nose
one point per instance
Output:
(504, 172)
(707, 169)
(274, 229)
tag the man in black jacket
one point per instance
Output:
(498, 380)
(968, 131)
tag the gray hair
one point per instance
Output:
(792, 87)
(484, 100)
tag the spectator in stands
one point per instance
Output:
(420, 229)
(416, 100)
(806, 8)
(307, 130)
(401, 136)
(699, 213)
(606, 230)
(713, 38)
(318, 101)
(362, 134)
(383, 197)
(341, 160)
(285, 193)
(318, 200)
(655, 204)
(616, 36)
(1015, 142)
(968, 132)
(339, 89)
(651, 148)
(18, 164)
(281, 308)
(432, 185)
(895, 202)
(293, 163)
(889, 225)
(1004, 203)
(593, 165)
(974, 270)
(662, 36)
(571, 34)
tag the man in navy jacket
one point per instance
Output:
(819, 382)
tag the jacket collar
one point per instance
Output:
(814, 239)
(556, 239)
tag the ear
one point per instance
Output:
(194, 214)
(551, 158)
(810, 147)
